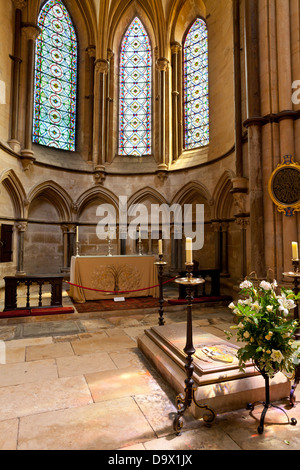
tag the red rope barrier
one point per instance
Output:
(119, 291)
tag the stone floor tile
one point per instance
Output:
(7, 332)
(95, 324)
(47, 351)
(25, 372)
(100, 426)
(9, 434)
(119, 383)
(42, 396)
(134, 447)
(84, 364)
(94, 343)
(128, 358)
(203, 438)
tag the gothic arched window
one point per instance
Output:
(196, 104)
(54, 121)
(135, 92)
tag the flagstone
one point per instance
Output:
(42, 396)
(25, 372)
(47, 351)
(95, 427)
(119, 383)
(84, 364)
(94, 343)
(9, 434)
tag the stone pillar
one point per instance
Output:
(21, 229)
(176, 51)
(286, 114)
(253, 123)
(243, 222)
(224, 249)
(109, 101)
(101, 69)
(162, 67)
(30, 32)
(91, 51)
(14, 141)
(216, 228)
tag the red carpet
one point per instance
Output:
(36, 312)
(107, 305)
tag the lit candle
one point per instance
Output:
(140, 237)
(295, 250)
(189, 251)
(160, 250)
(77, 234)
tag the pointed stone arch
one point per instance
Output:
(14, 187)
(223, 196)
(96, 193)
(190, 190)
(56, 195)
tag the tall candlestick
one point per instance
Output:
(77, 234)
(160, 250)
(189, 250)
(295, 250)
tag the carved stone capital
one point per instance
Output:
(162, 64)
(175, 47)
(91, 51)
(19, 4)
(101, 66)
(242, 222)
(27, 158)
(31, 31)
(21, 226)
(99, 174)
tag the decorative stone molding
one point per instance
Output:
(162, 171)
(22, 226)
(19, 4)
(101, 66)
(242, 222)
(99, 174)
(31, 31)
(27, 158)
(176, 47)
(162, 64)
(91, 51)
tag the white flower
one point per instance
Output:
(277, 356)
(231, 306)
(255, 306)
(274, 284)
(265, 285)
(269, 308)
(285, 304)
(246, 285)
(246, 334)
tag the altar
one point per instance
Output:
(103, 275)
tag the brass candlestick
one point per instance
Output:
(184, 401)
(160, 264)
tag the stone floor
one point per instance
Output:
(79, 382)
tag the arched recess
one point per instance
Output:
(89, 215)
(151, 202)
(195, 193)
(14, 187)
(55, 195)
(223, 197)
(181, 15)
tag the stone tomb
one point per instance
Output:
(220, 384)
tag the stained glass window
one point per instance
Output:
(54, 120)
(196, 105)
(135, 92)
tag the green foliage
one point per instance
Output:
(265, 328)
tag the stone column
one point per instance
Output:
(224, 249)
(109, 101)
(162, 67)
(30, 32)
(286, 114)
(91, 51)
(243, 222)
(176, 51)
(216, 228)
(101, 69)
(21, 229)
(14, 141)
(253, 123)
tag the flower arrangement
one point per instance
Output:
(265, 328)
